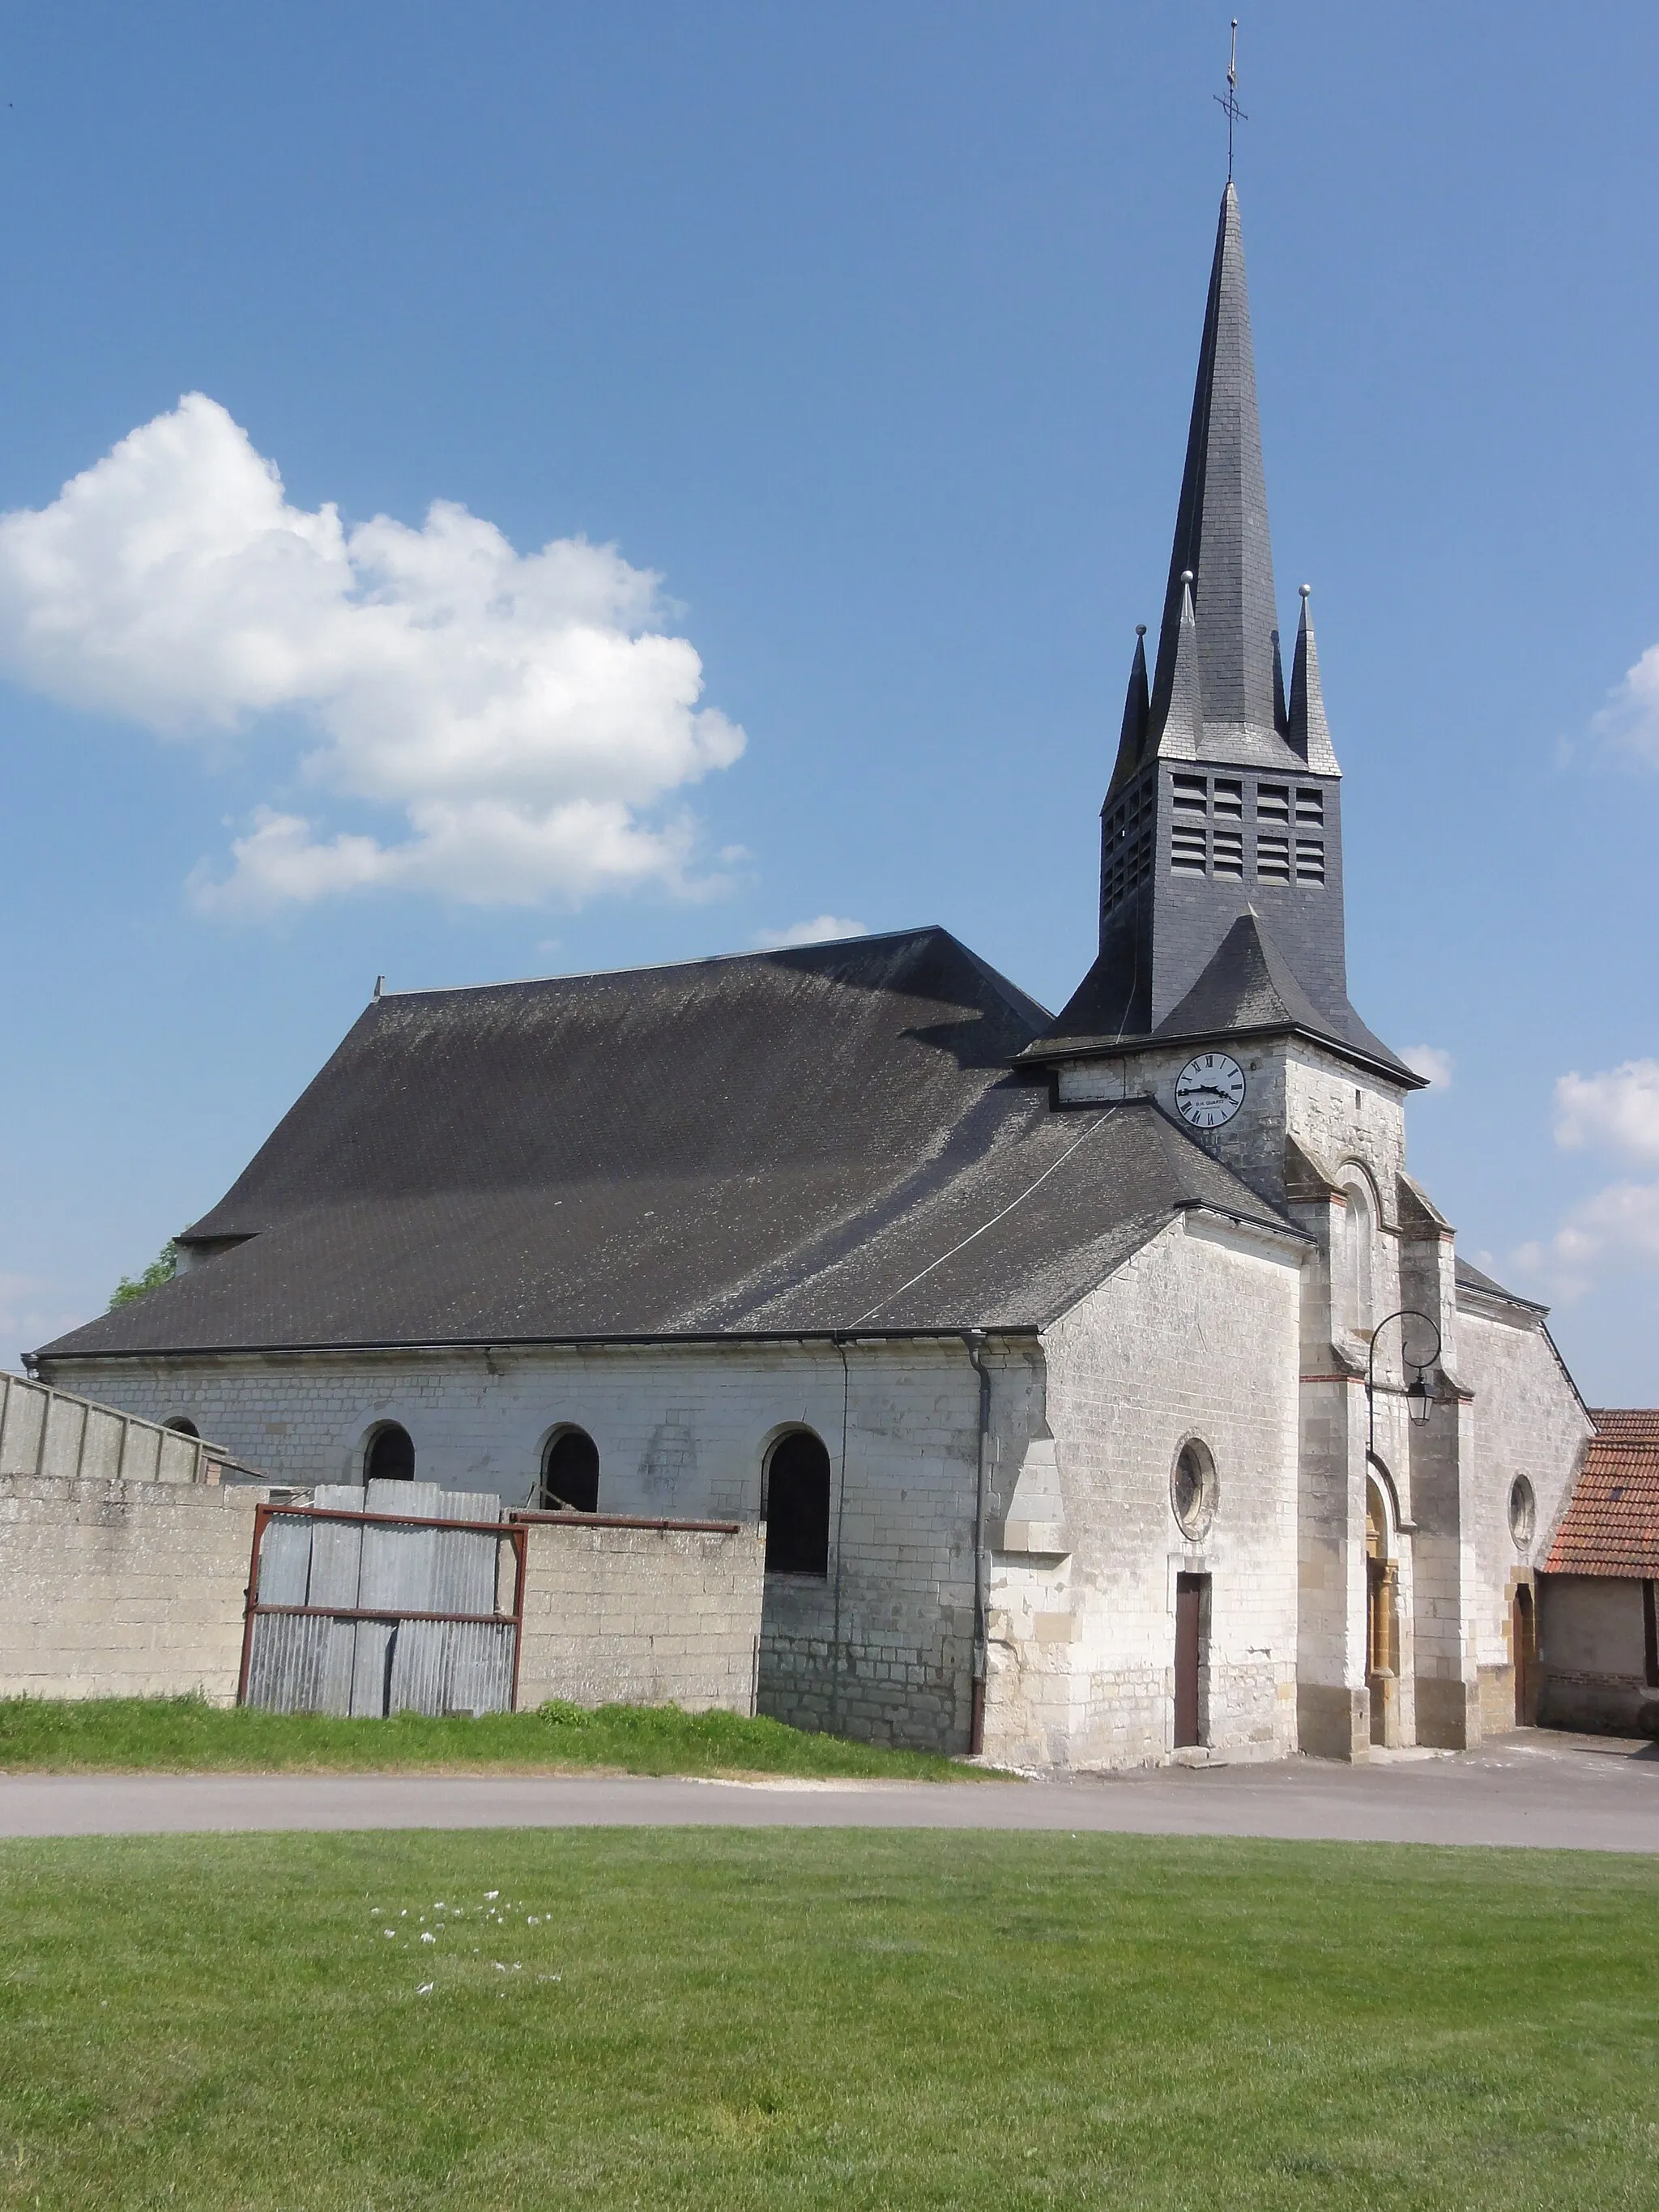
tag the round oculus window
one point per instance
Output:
(1192, 1491)
(1523, 1511)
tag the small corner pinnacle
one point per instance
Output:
(379, 985)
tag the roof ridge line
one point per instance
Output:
(656, 967)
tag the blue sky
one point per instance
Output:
(870, 332)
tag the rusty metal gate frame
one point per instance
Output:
(504, 1532)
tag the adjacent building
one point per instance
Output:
(1597, 1665)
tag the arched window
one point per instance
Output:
(182, 1426)
(570, 1473)
(797, 1506)
(391, 1456)
(1353, 1270)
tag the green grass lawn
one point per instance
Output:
(741, 2019)
(183, 1735)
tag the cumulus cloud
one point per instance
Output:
(820, 928)
(1630, 720)
(521, 712)
(1617, 1229)
(1616, 1113)
(1431, 1063)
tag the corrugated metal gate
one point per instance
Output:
(388, 1601)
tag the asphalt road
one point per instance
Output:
(1536, 1788)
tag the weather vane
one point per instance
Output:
(1229, 106)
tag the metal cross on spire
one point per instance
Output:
(1229, 106)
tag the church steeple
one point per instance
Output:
(1221, 522)
(1221, 836)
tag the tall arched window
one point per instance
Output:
(797, 1506)
(570, 1473)
(1356, 1238)
(391, 1455)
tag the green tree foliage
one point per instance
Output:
(161, 1269)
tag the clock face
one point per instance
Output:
(1210, 1089)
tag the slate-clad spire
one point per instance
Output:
(1136, 709)
(1225, 805)
(1221, 526)
(1184, 719)
(1308, 731)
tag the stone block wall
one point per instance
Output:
(119, 1589)
(683, 1432)
(1194, 1338)
(1527, 1421)
(615, 1614)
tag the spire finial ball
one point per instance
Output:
(1306, 590)
(1140, 629)
(1187, 576)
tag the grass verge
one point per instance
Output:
(778, 2020)
(186, 1735)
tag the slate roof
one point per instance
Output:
(1222, 536)
(1611, 1526)
(1247, 988)
(791, 1142)
(1469, 1276)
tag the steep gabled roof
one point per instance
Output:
(1611, 1526)
(795, 1141)
(1246, 989)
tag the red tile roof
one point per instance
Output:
(1612, 1524)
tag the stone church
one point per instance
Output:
(1110, 1391)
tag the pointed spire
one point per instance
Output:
(1136, 708)
(1281, 712)
(1221, 525)
(1183, 719)
(1308, 731)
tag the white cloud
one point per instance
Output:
(1616, 1112)
(820, 928)
(1630, 720)
(520, 711)
(1615, 1229)
(1431, 1063)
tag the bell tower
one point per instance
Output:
(1221, 904)
(1219, 993)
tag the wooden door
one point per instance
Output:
(1524, 1645)
(1189, 1629)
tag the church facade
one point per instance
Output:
(1109, 1389)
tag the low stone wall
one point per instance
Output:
(112, 1588)
(619, 1612)
(122, 1590)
